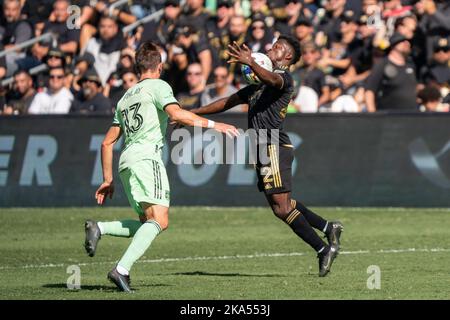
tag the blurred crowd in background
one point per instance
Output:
(77, 57)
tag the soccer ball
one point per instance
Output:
(262, 60)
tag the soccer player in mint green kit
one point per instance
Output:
(141, 116)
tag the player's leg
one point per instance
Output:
(125, 228)
(95, 230)
(275, 179)
(155, 221)
(332, 229)
(281, 207)
(150, 196)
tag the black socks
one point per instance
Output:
(314, 220)
(303, 229)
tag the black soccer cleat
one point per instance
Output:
(334, 235)
(122, 282)
(326, 260)
(93, 235)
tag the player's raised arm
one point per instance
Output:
(243, 55)
(188, 118)
(220, 105)
(107, 187)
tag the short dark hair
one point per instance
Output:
(295, 44)
(430, 93)
(148, 57)
(108, 17)
(58, 68)
(22, 71)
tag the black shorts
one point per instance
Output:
(276, 175)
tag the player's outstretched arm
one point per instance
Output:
(107, 187)
(243, 55)
(219, 106)
(188, 118)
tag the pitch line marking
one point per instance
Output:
(239, 256)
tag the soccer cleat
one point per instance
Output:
(334, 235)
(93, 235)
(326, 260)
(122, 282)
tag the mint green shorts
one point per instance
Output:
(146, 182)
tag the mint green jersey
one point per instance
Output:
(141, 116)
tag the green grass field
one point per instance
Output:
(228, 253)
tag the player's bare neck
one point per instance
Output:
(150, 75)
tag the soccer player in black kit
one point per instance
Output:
(268, 102)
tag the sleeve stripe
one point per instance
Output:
(167, 104)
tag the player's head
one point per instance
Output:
(285, 51)
(148, 58)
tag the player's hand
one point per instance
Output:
(229, 130)
(104, 191)
(239, 54)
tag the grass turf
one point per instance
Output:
(247, 254)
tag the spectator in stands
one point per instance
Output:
(431, 100)
(195, 15)
(437, 72)
(237, 33)
(295, 10)
(338, 57)
(330, 24)
(194, 49)
(93, 101)
(351, 37)
(68, 38)
(311, 77)
(191, 99)
(106, 48)
(55, 58)
(20, 99)
(219, 89)
(260, 7)
(121, 14)
(434, 22)
(260, 38)
(57, 99)
(128, 78)
(217, 31)
(159, 31)
(16, 31)
(354, 51)
(81, 65)
(304, 31)
(392, 82)
(37, 13)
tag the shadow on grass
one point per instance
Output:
(202, 273)
(110, 288)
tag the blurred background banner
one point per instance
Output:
(341, 160)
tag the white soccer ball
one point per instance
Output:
(262, 60)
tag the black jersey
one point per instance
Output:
(268, 106)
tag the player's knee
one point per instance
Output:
(281, 211)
